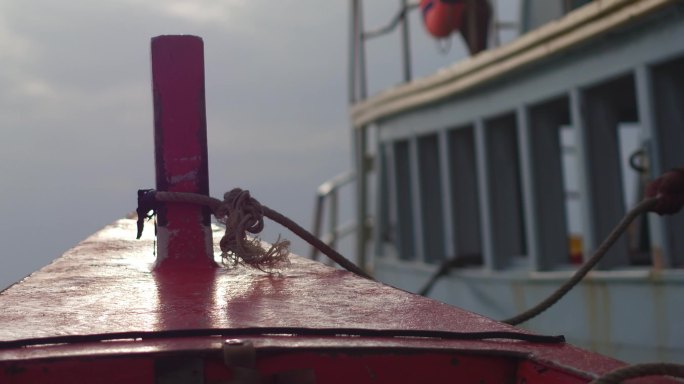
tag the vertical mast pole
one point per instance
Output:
(353, 49)
(180, 136)
(405, 46)
(363, 88)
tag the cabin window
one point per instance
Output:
(505, 194)
(612, 131)
(465, 204)
(405, 242)
(387, 216)
(554, 163)
(429, 175)
(668, 93)
(574, 231)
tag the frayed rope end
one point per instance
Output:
(241, 213)
(252, 254)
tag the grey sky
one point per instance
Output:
(76, 111)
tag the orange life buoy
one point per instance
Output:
(442, 17)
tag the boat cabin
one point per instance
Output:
(521, 159)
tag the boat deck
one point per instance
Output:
(100, 303)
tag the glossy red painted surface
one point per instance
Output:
(106, 285)
(181, 148)
(81, 370)
(382, 367)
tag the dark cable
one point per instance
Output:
(328, 332)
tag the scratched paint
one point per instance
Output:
(188, 176)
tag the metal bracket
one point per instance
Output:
(146, 203)
(240, 357)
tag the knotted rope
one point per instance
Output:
(241, 213)
(670, 189)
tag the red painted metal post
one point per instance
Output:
(180, 134)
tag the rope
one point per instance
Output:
(242, 213)
(643, 207)
(314, 241)
(664, 195)
(640, 370)
(449, 264)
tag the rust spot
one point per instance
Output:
(657, 258)
(592, 316)
(660, 312)
(518, 292)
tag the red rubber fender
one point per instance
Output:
(442, 17)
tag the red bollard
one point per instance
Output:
(180, 137)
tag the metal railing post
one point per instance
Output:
(330, 191)
(332, 219)
(318, 218)
(406, 49)
(353, 44)
(363, 88)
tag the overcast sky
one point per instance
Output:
(76, 107)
